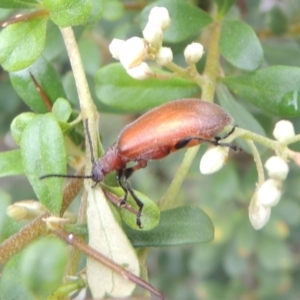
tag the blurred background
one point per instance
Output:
(240, 263)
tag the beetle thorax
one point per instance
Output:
(110, 161)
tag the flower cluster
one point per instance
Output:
(133, 52)
(269, 192)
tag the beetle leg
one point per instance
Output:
(232, 146)
(122, 178)
(182, 143)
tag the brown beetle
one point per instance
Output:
(165, 129)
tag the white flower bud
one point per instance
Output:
(284, 131)
(25, 210)
(269, 192)
(133, 52)
(213, 159)
(164, 56)
(17, 213)
(193, 53)
(54, 223)
(153, 35)
(259, 214)
(141, 72)
(115, 46)
(160, 16)
(277, 168)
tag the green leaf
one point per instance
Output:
(22, 43)
(42, 266)
(240, 114)
(46, 76)
(113, 10)
(240, 46)
(89, 51)
(245, 239)
(4, 203)
(186, 20)
(18, 125)
(274, 254)
(276, 90)
(18, 3)
(8, 226)
(68, 12)
(96, 11)
(224, 6)
(150, 214)
(75, 285)
(177, 226)
(277, 21)
(12, 286)
(43, 152)
(234, 263)
(107, 237)
(286, 53)
(117, 89)
(62, 110)
(11, 163)
(288, 211)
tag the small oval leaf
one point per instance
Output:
(276, 90)
(18, 125)
(46, 76)
(43, 152)
(68, 12)
(62, 109)
(177, 226)
(107, 237)
(18, 4)
(11, 283)
(240, 46)
(240, 115)
(43, 265)
(11, 163)
(224, 6)
(22, 43)
(150, 213)
(117, 89)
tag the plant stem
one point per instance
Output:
(88, 108)
(212, 65)
(258, 163)
(37, 227)
(208, 83)
(249, 135)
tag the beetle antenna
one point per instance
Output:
(92, 160)
(66, 176)
(89, 140)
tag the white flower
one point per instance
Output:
(269, 193)
(141, 72)
(115, 46)
(277, 168)
(259, 214)
(133, 52)
(213, 159)
(153, 35)
(193, 53)
(164, 56)
(160, 16)
(284, 131)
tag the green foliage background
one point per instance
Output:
(240, 263)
